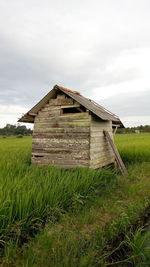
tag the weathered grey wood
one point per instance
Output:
(63, 117)
(49, 108)
(59, 101)
(97, 134)
(61, 139)
(61, 124)
(45, 161)
(70, 140)
(71, 106)
(115, 130)
(99, 129)
(100, 149)
(61, 96)
(60, 150)
(63, 130)
(101, 164)
(57, 145)
(77, 135)
(67, 141)
(59, 156)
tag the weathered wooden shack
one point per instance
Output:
(68, 130)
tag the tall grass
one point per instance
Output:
(30, 195)
(138, 245)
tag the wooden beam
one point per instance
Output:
(71, 106)
(115, 130)
(116, 153)
(32, 114)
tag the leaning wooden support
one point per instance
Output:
(115, 130)
(116, 153)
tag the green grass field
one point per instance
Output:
(68, 204)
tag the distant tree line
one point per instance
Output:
(10, 129)
(138, 129)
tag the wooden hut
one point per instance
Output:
(68, 130)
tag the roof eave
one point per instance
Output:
(27, 118)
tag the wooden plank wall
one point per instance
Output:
(62, 140)
(101, 153)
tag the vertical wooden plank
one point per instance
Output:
(116, 153)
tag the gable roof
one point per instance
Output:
(95, 108)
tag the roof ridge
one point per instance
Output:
(66, 89)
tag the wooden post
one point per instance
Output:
(115, 130)
(116, 153)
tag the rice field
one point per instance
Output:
(31, 197)
(134, 148)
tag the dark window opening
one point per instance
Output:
(37, 156)
(71, 110)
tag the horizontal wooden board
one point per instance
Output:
(62, 145)
(71, 106)
(96, 133)
(60, 141)
(48, 114)
(63, 130)
(61, 101)
(64, 120)
(80, 117)
(61, 135)
(46, 161)
(48, 107)
(66, 156)
(75, 116)
(99, 129)
(59, 150)
(60, 124)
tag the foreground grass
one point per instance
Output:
(86, 209)
(87, 238)
(31, 196)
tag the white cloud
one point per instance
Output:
(9, 114)
(131, 121)
(133, 108)
(101, 48)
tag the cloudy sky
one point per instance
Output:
(100, 48)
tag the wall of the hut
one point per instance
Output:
(61, 139)
(100, 151)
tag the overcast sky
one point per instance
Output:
(100, 48)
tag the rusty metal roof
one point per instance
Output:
(95, 108)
